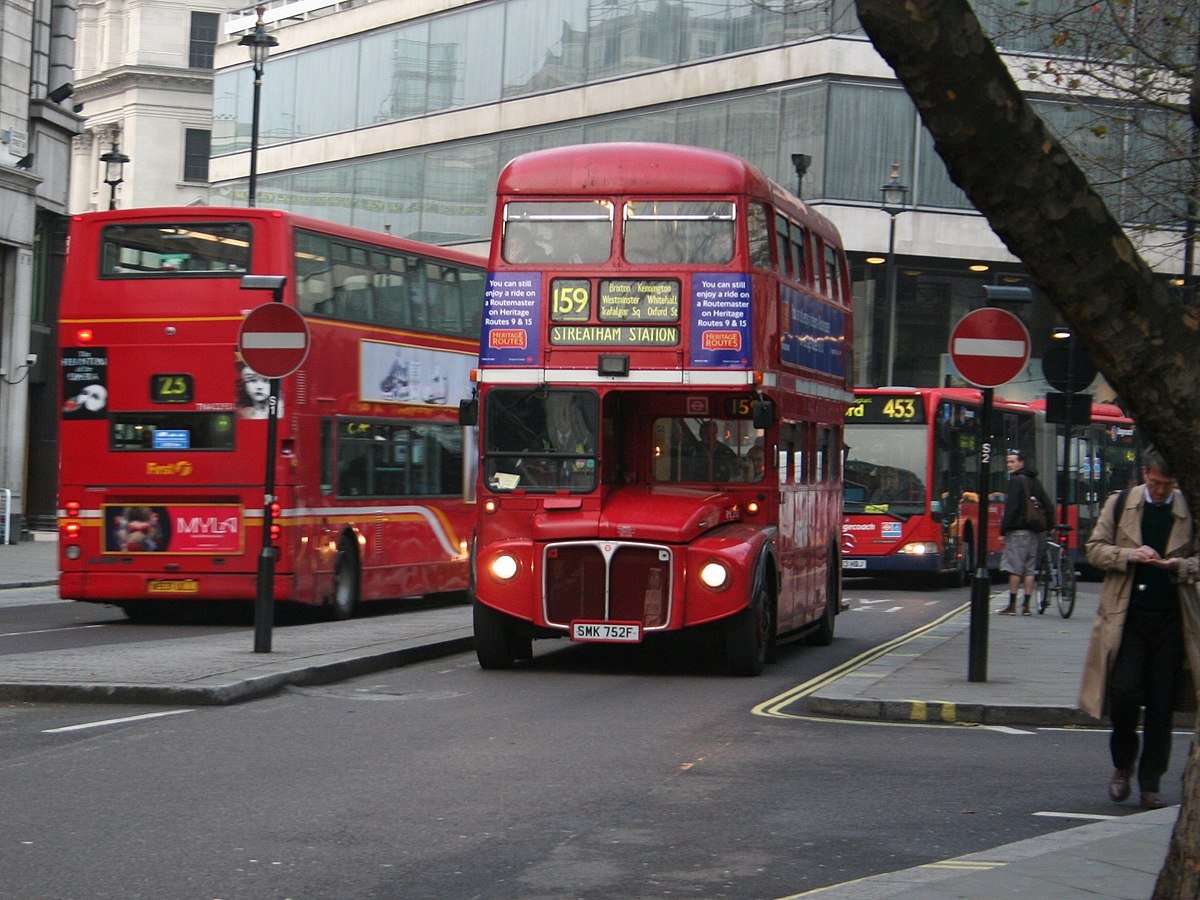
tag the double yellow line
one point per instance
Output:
(776, 706)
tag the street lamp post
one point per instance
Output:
(114, 172)
(259, 43)
(894, 196)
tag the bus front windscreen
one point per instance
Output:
(540, 441)
(885, 469)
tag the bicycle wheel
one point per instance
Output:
(1066, 578)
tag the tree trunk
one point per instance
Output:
(1040, 204)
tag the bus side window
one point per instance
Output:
(782, 251)
(391, 306)
(443, 299)
(816, 253)
(800, 269)
(759, 236)
(832, 285)
(828, 440)
(472, 285)
(314, 287)
(418, 294)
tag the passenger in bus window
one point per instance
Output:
(717, 461)
(755, 459)
(520, 246)
(565, 430)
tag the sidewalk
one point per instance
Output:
(1033, 670)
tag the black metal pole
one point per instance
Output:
(891, 297)
(264, 597)
(254, 138)
(981, 585)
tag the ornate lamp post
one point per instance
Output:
(259, 43)
(114, 170)
(894, 195)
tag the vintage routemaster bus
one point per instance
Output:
(163, 427)
(912, 475)
(664, 368)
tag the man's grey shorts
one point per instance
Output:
(1021, 551)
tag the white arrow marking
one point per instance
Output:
(156, 715)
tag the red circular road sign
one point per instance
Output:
(989, 347)
(273, 340)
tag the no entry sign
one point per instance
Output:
(273, 340)
(989, 347)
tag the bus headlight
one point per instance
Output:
(504, 567)
(714, 575)
(920, 548)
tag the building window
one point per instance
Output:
(203, 40)
(196, 143)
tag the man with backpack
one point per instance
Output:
(1028, 510)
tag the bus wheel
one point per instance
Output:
(498, 641)
(749, 635)
(822, 636)
(966, 566)
(346, 583)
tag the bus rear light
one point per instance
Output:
(714, 575)
(72, 509)
(84, 335)
(71, 530)
(275, 509)
(504, 567)
(489, 506)
(920, 548)
(752, 507)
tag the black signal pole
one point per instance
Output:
(981, 584)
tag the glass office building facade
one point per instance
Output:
(389, 119)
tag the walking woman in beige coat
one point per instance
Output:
(1146, 625)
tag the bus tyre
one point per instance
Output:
(498, 641)
(749, 636)
(347, 577)
(822, 635)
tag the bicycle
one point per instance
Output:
(1056, 573)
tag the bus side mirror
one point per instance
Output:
(468, 412)
(763, 412)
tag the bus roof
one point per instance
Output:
(630, 167)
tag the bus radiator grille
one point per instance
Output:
(608, 581)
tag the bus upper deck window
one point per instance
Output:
(679, 231)
(175, 249)
(566, 231)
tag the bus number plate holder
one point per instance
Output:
(607, 632)
(173, 586)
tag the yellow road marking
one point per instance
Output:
(775, 706)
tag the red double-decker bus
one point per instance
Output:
(664, 369)
(163, 428)
(912, 475)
